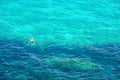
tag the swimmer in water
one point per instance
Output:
(31, 40)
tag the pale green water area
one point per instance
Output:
(61, 21)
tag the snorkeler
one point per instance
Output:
(31, 40)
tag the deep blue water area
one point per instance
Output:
(59, 62)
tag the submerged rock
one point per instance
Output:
(70, 64)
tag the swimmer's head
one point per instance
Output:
(31, 40)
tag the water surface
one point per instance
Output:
(74, 40)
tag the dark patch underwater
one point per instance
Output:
(59, 62)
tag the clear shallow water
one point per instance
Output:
(61, 21)
(74, 40)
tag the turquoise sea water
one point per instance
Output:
(73, 40)
(61, 21)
